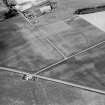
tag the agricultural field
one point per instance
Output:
(14, 91)
(59, 47)
(86, 69)
(22, 49)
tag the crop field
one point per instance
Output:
(60, 50)
(14, 91)
(85, 69)
(78, 36)
(25, 49)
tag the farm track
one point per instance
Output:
(61, 61)
(56, 80)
